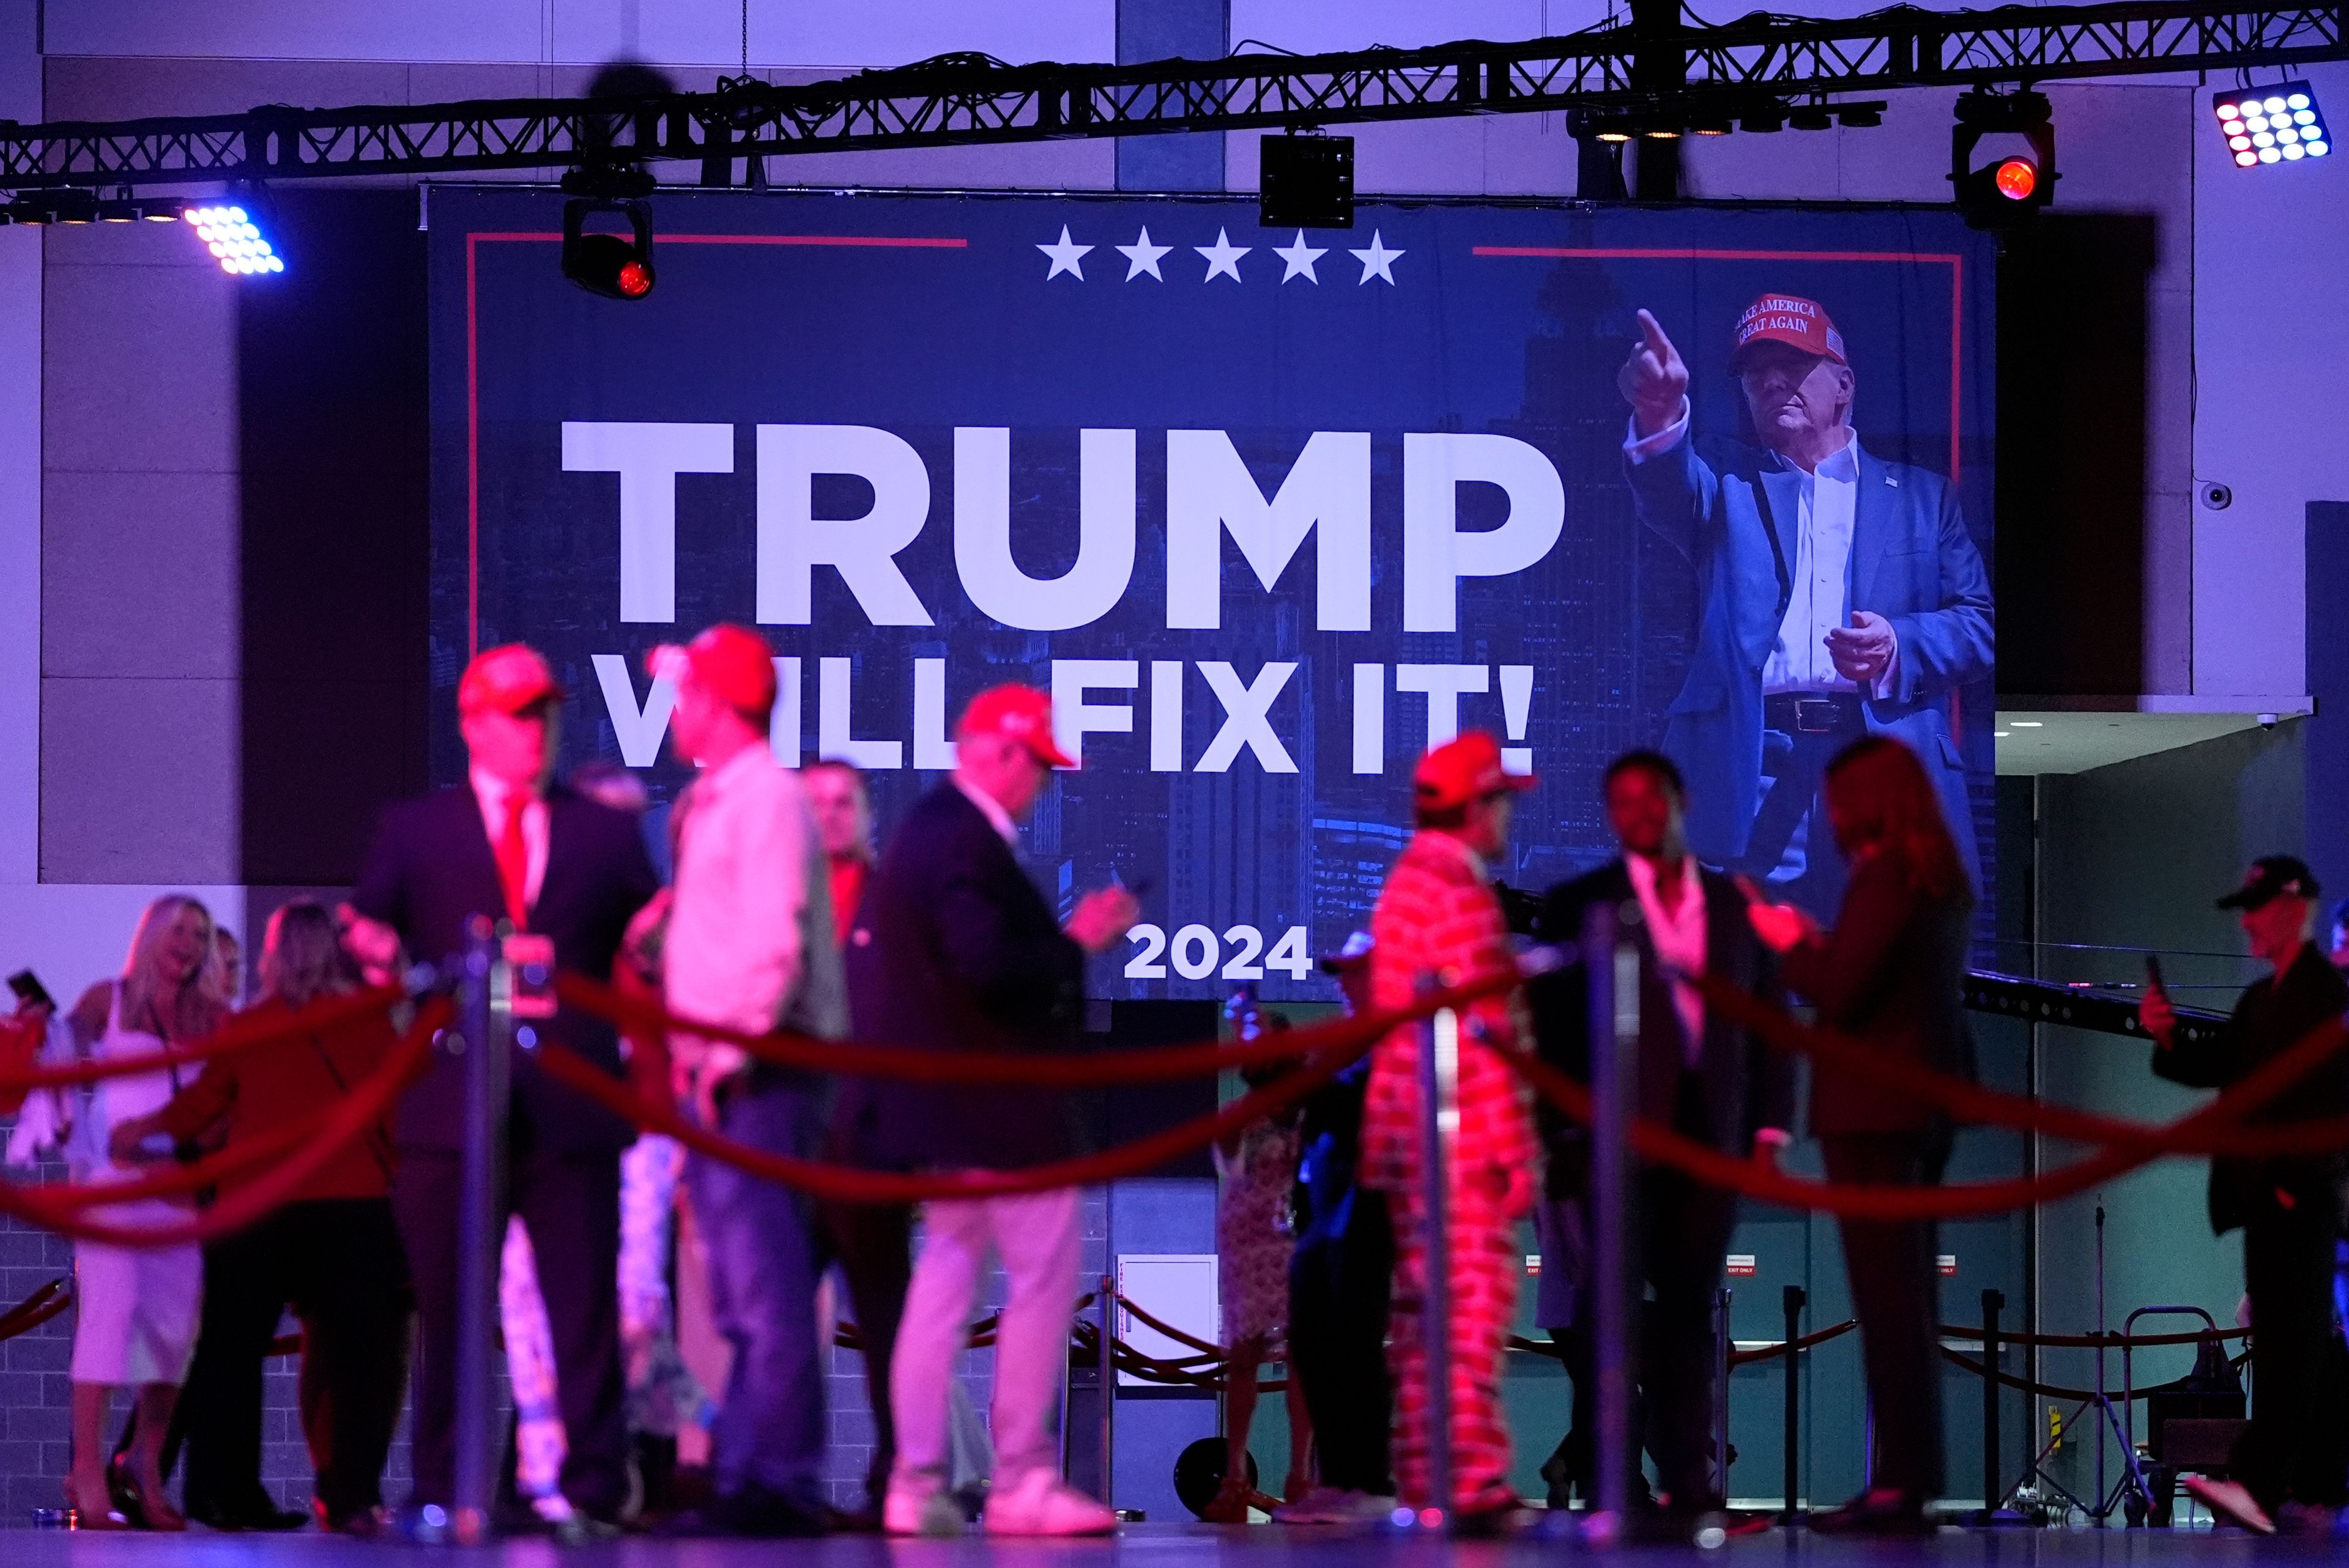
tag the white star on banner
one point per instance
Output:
(1222, 256)
(1067, 257)
(1377, 260)
(1142, 256)
(1300, 258)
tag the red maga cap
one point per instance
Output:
(1787, 318)
(506, 679)
(731, 663)
(1461, 770)
(1020, 712)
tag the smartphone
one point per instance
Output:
(30, 991)
(2152, 973)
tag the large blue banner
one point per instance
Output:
(1268, 511)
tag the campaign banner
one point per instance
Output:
(1268, 511)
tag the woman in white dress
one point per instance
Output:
(137, 1307)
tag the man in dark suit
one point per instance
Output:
(955, 949)
(1698, 1073)
(1841, 596)
(2287, 1470)
(550, 862)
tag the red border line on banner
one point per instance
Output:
(1957, 288)
(474, 365)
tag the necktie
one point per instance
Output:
(513, 863)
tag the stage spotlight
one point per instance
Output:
(1711, 125)
(1860, 116)
(616, 267)
(1773, 117)
(1661, 132)
(1305, 181)
(2278, 124)
(1811, 117)
(1615, 133)
(2012, 188)
(228, 230)
(73, 206)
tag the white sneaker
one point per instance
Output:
(920, 1507)
(1041, 1503)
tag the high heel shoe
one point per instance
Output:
(93, 1519)
(143, 1512)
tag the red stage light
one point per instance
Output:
(636, 280)
(2017, 178)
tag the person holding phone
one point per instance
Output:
(2290, 1470)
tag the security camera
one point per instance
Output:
(2216, 496)
(2267, 721)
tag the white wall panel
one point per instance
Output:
(20, 480)
(668, 32)
(2272, 378)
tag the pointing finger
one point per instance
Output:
(1652, 332)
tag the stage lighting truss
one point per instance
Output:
(228, 230)
(2276, 124)
(966, 100)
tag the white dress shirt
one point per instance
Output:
(498, 799)
(1818, 564)
(749, 931)
(1679, 936)
(992, 809)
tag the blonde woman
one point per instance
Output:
(137, 1307)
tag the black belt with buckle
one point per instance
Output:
(1814, 713)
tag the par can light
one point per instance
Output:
(2278, 124)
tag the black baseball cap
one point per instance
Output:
(2270, 877)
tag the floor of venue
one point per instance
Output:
(1162, 1546)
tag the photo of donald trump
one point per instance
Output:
(1838, 594)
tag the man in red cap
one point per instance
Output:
(749, 946)
(955, 949)
(549, 861)
(1841, 594)
(1438, 919)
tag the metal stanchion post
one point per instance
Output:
(1993, 1491)
(1720, 1348)
(1439, 1120)
(1794, 1299)
(1612, 964)
(1107, 1380)
(484, 1039)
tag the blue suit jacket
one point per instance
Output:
(1912, 563)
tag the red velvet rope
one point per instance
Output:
(1976, 1105)
(349, 1120)
(917, 1064)
(1755, 1180)
(850, 1184)
(240, 1033)
(174, 1179)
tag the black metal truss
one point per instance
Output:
(966, 99)
(2076, 1007)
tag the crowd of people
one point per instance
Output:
(661, 1308)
